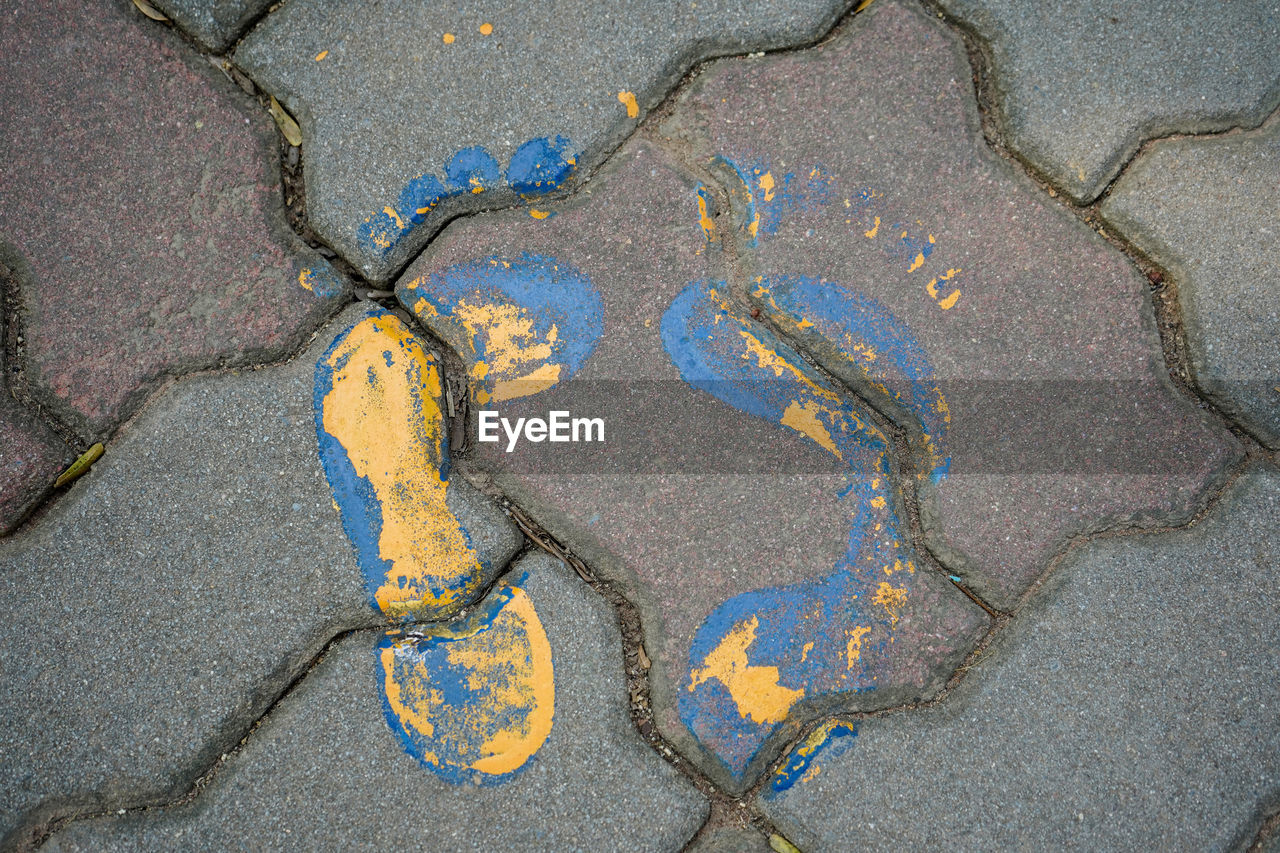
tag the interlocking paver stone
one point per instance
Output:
(412, 112)
(751, 520)
(1036, 386)
(214, 23)
(1134, 706)
(732, 841)
(325, 766)
(31, 454)
(141, 207)
(148, 618)
(1080, 86)
(1208, 210)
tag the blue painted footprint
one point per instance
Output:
(762, 652)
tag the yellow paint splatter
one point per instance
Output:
(539, 214)
(804, 653)
(947, 303)
(448, 38)
(307, 279)
(874, 229)
(321, 55)
(803, 418)
(754, 689)
(628, 100)
(766, 184)
(486, 29)
(891, 598)
(917, 263)
(391, 211)
(853, 648)
(384, 409)
(704, 219)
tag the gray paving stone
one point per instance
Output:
(149, 617)
(214, 23)
(1080, 85)
(728, 840)
(1018, 347)
(1207, 210)
(413, 112)
(1132, 706)
(325, 766)
(142, 213)
(769, 567)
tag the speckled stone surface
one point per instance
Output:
(1134, 706)
(1208, 211)
(141, 209)
(705, 515)
(31, 454)
(214, 23)
(420, 110)
(153, 613)
(325, 766)
(1080, 86)
(863, 185)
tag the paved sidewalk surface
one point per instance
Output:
(645, 425)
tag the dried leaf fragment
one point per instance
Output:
(288, 126)
(80, 466)
(780, 844)
(150, 11)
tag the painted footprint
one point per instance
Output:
(472, 700)
(760, 653)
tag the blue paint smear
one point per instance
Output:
(358, 503)
(551, 291)
(541, 165)
(799, 762)
(537, 167)
(432, 651)
(325, 283)
(839, 314)
(470, 168)
(791, 193)
(701, 335)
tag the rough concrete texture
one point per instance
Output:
(1080, 86)
(158, 608)
(1133, 707)
(877, 229)
(732, 841)
(771, 574)
(213, 23)
(1208, 211)
(419, 110)
(31, 454)
(141, 209)
(325, 766)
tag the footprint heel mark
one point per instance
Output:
(474, 700)
(877, 349)
(760, 653)
(522, 324)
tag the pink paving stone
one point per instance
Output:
(1062, 416)
(31, 457)
(691, 506)
(140, 201)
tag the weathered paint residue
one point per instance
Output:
(522, 323)
(537, 167)
(382, 445)
(628, 100)
(320, 280)
(760, 653)
(473, 700)
(775, 194)
(868, 338)
(832, 738)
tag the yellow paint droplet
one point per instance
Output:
(391, 211)
(878, 502)
(947, 303)
(321, 55)
(628, 100)
(448, 38)
(891, 598)
(803, 418)
(486, 29)
(539, 214)
(704, 219)
(306, 278)
(917, 263)
(853, 648)
(874, 229)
